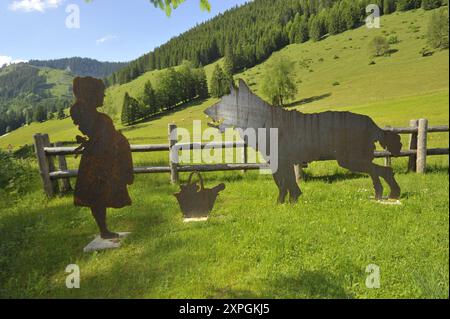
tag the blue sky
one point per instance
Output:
(110, 30)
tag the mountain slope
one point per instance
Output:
(29, 93)
(393, 91)
(337, 71)
(81, 66)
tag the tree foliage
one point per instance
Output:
(437, 33)
(278, 85)
(175, 86)
(220, 82)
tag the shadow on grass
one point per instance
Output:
(308, 100)
(309, 284)
(336, 177)
(436, 169)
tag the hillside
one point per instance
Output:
(36, 91)
(405, 84)
(344, 60)
(81, 66)
(29, 93)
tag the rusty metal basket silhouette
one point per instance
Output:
(195, 200)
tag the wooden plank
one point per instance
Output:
(39, 144)
(422, 146)
(65, 187)
(212, 145)
(150, 148)
(137, 170)
(410, 130)
(221, 167)
(437, 129)
(231, 167)
(57, 151)
(408, 153)
(173, 154)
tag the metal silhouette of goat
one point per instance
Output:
(346, 137)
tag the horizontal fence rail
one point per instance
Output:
(46, 152)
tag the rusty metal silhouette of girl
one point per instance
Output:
(106, 166)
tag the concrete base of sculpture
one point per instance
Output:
(193, 220)
(99, 243)
(387, 201)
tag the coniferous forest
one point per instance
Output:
(248, 35)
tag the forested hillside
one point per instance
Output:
(81, 66)
(30, 94)
(249, 34)
(40, 90)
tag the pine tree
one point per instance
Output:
(388, 6)
(201, 83)
(61, 115)
(316, 29)
(303, 33)
(126, 118)
(404, 5)
(39, 113)
(187, 81)
(229, 64)
(219, 83)
(170, 88)
(149, 99)
(437, 34)
(136, 111)
(431, 4)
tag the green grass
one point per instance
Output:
(252, 247)
(402, 74)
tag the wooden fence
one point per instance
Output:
(50, 174)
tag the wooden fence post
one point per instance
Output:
(412, 164)
(298, 172)
(422, 146)
(245, 153)
(66, 187)
(44, 165)
(51, 164)
(387, 159)
(173, 154)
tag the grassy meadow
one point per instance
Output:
(252, 247)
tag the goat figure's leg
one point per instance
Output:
(377, 185)
(388, 175)
(280, 179)
(294, 189)
(368, 168)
